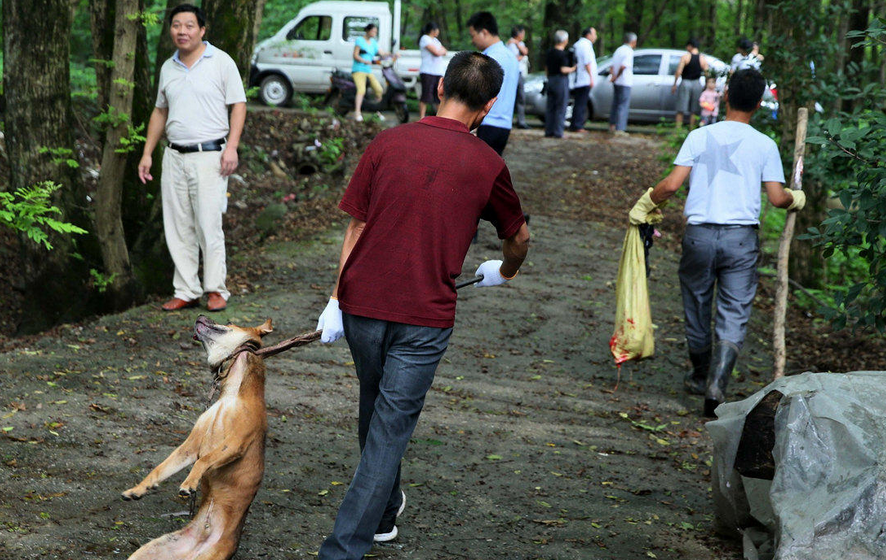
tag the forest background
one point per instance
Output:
(75, 68)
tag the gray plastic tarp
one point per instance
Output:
(827, 498)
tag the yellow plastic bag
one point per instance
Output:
(633, 338)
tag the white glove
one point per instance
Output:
(491, 271)
(330, 322)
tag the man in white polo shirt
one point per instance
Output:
(197, 86)
(726, 164)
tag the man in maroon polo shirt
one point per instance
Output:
(413, 213)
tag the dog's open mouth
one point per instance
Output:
(205, 327)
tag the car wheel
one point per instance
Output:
(275, 90)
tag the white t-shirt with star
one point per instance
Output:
(730, 161)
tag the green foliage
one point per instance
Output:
(124, 83)
(302, 101)
(100, 281)
(132, 139)
(29, 210)
(60, 155)
(111, 118)
(83, 83)
(857, 230)
(331, 151)
(146, 18)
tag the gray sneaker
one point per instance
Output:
(387, 529)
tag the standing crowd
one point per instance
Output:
(414, 212)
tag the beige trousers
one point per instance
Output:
(194, 199)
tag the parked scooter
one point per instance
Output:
(342, 92)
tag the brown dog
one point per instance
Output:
(226, 448)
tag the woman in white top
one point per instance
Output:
(432, 66)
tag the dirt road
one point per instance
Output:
(526, 448)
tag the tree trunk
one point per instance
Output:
(711, 35)
(633, 16)
(558, 14)
(858, 21)
(38, 115)
(738, 16)
(109, 196)
(230, 26)
(842, 42)
(459, 21)
(101, 24)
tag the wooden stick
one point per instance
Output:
(300, 340)
(784, 249)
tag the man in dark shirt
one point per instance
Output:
(413, 213)
(558, 69)
(691, 68)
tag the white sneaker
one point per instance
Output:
(380, 116)
(358, 118)
(387, 534)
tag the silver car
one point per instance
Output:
(651, 97)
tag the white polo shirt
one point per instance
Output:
(198, 97)
(584, 55)
(624, 56)
(730, 161)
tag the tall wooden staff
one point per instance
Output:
(784, 247)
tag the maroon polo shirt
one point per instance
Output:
(421, 188)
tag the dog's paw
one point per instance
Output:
(186, 490)
(133, 494)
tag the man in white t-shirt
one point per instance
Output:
(198, 85)
(432, 66)
(726, 163)
(586, 61)
(621, 74)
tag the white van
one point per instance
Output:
(303, 54)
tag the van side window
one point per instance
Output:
(312, 28)
(354, 27)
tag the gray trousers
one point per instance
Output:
(621, 107)
(520, 103)
(727, 256)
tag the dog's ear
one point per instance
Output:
(265, 328)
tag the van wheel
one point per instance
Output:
(402, 112)
(275, 90)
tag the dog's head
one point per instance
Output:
(220, 341)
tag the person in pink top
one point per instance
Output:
(709, 100)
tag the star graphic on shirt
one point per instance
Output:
(717, 157)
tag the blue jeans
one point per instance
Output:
(395, 364)
(557, 101)
(621, 103)
(727, 256)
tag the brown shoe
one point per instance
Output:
(177, 303)
(216, 302)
